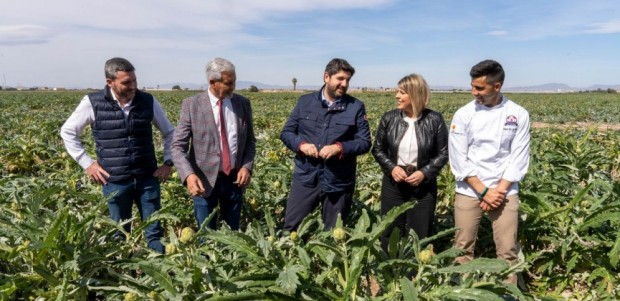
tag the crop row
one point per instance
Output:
(56, 241)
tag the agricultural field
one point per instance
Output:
(56, 240)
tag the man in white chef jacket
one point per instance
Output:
(489, 154)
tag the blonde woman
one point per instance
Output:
(411, 146)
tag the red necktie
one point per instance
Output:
(225, 148)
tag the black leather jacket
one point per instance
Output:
(432, 136)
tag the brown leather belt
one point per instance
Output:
(409, 169)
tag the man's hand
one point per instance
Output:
(415, 178)
(163, 173)
(493, 199)
(329, 151)
(243, 177)
(97, 174)
(485, 206)
(309, 150)
(194, 185)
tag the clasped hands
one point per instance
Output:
(399, 175)
(325, 153)
(492, 199)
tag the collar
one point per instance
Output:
(337, 105)
(501, 103)
(404, 117)
(116, 99)
(214, 99)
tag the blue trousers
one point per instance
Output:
(302, 200)
(225, 194)
(145, 194)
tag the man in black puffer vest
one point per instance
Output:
(121, 118)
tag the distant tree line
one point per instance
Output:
(599, 90)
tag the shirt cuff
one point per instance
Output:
(85, 162)
(300, 144)
(341, 155)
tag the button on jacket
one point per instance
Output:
(312, 122)
(431, 133)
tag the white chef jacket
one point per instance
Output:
(490, 143)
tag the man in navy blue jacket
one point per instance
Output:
(327, 129)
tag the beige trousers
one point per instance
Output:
(504, 220)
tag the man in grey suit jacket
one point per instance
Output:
(214, 158)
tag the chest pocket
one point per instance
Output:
(138, 115)
(343, 126)
(309, 124)
(508, 134)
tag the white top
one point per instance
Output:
(408, 147)
(84, 115)
(231, 125)
(490, 143)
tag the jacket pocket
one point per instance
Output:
(342, 128)
(309, 125)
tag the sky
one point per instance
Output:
(65, 43)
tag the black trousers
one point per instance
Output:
(303, 200)
(420, 218)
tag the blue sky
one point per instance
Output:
(66, 42)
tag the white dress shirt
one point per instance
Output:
(84, 115)
(231, 125)
(489, 143)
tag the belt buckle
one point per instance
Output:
(410, 169)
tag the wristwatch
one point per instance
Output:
(168, 163)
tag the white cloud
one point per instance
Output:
(275, 40)
(23, 34)
(497, 33)
(160, 13)
(553, 19)
(612, 26)
(181, 22)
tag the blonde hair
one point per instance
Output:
(416, 87)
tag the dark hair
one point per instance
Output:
(116, 64)
(489, 68)
(336, 65)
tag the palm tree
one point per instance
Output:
(294, 83)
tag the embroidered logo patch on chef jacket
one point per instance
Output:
(511, 123)
(456, 130)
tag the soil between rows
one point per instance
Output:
(582, 125)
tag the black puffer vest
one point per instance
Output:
(124, 146)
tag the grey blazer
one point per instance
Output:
(196, 144)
